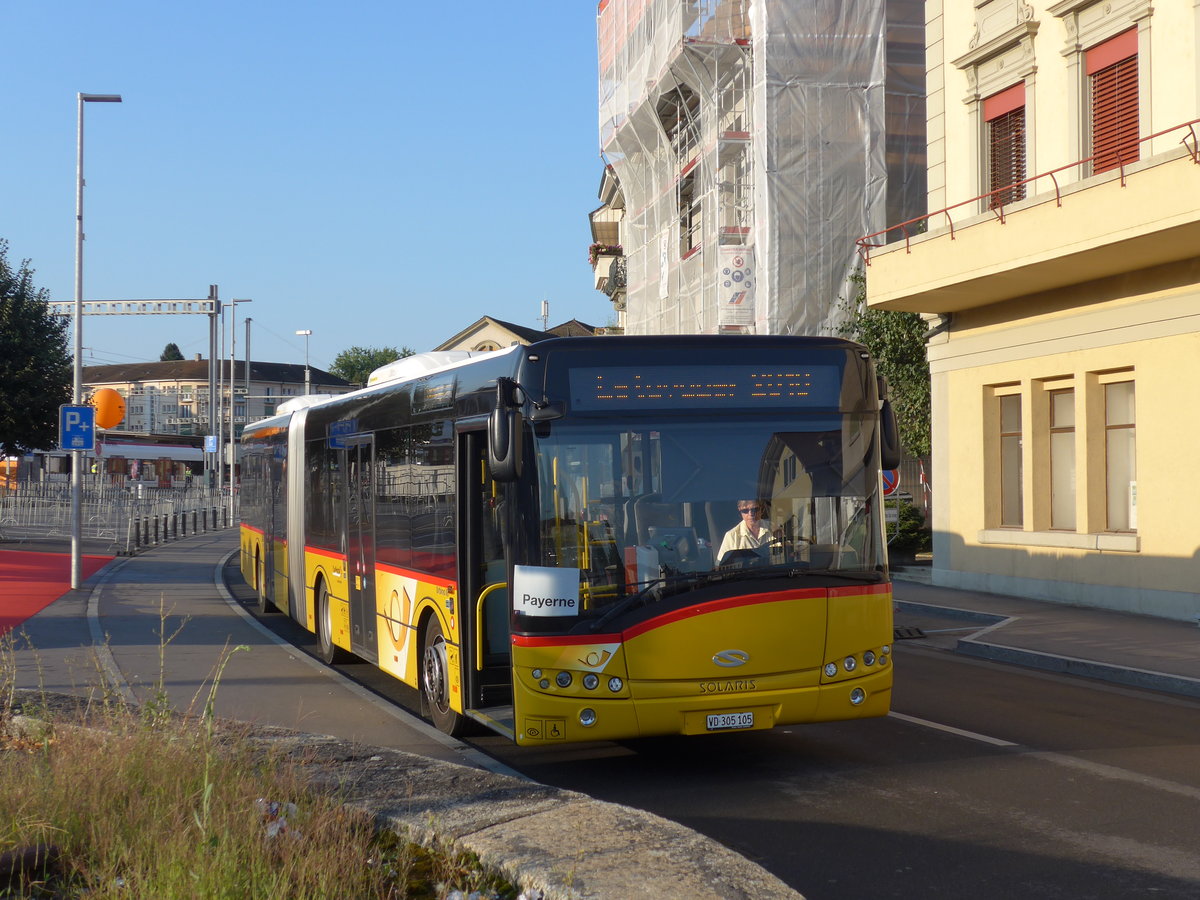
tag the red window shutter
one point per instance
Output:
(1113, 71)
(1006, 157)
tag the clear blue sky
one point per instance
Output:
(383, 172)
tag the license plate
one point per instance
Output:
(723, 721)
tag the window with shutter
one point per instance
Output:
(1004, 114)
(1112, 69)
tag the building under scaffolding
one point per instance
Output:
(748, 144)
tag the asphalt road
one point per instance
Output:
(988, 781)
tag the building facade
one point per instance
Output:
(172, 397)
(747, 144)
(1060, 273)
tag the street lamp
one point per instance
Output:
(232, 399)
(307, 333)
(77, 390)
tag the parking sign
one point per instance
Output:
(77, 427)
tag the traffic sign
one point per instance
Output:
(891, 481)
(76, 427)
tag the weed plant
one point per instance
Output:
(154, 805)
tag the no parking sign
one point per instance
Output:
(891, 481)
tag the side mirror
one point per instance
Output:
(505, 430)
(889, 437)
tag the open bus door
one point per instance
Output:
(483, 576)
(360, 543)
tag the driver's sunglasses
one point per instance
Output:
(747, 509)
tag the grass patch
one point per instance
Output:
(133, 804)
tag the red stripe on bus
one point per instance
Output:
(563, 640)
(246, 527)
(678, 615)
(325, 554)
(702, 609)
(860, 589)
(413, 573)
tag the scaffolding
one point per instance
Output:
(753, 144)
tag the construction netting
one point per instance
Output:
(754, 141)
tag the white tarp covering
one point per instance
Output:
(757, 128)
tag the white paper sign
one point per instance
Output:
(540, 591)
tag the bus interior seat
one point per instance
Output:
(650, 510)
(822, 556)
(722, 515)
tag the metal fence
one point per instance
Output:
(125, 518)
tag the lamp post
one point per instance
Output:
(232, 401)
(307, 333)
(77, 390)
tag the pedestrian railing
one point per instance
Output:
(126, 518)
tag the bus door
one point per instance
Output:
(483, 574)
(360, 543)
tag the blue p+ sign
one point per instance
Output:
(77, 427)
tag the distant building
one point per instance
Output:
(1060, 274)
(494, 334)
(172, 397)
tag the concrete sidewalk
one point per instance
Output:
(1122, 648)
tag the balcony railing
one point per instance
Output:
(616, 276)
(921, 224)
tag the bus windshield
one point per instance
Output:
(634, 506)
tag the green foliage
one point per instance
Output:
(170, 352)
(897, 342)
(357, 363)
(909, 535)
(35, 363)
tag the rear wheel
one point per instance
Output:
(264, 605)
(435, 681)
(330, 652)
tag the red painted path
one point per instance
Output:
(31, 581)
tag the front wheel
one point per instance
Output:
(331, 653)
(435, 681)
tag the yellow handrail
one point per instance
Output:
(479, 622)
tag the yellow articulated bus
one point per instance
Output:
(592, 538)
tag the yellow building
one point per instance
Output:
(1060, 272)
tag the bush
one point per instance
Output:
(908, 536)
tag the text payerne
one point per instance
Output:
(544, 602)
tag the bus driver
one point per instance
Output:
(749, 533)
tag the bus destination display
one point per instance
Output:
(676, 387)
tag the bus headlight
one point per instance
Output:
(615, 684)
(831, 669)
(850, 664)
(587, 717)
(857, 696)
(591, 681)
(563, 679)
(869, 658)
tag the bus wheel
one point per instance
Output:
(330, 652)
(435, 681)
(264, 605)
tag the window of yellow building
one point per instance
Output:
(1011, 467)
(1062, 460)
(1120, 456)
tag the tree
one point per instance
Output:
(897, 342)
(357, 363)
(35, 364)
(170, 352)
